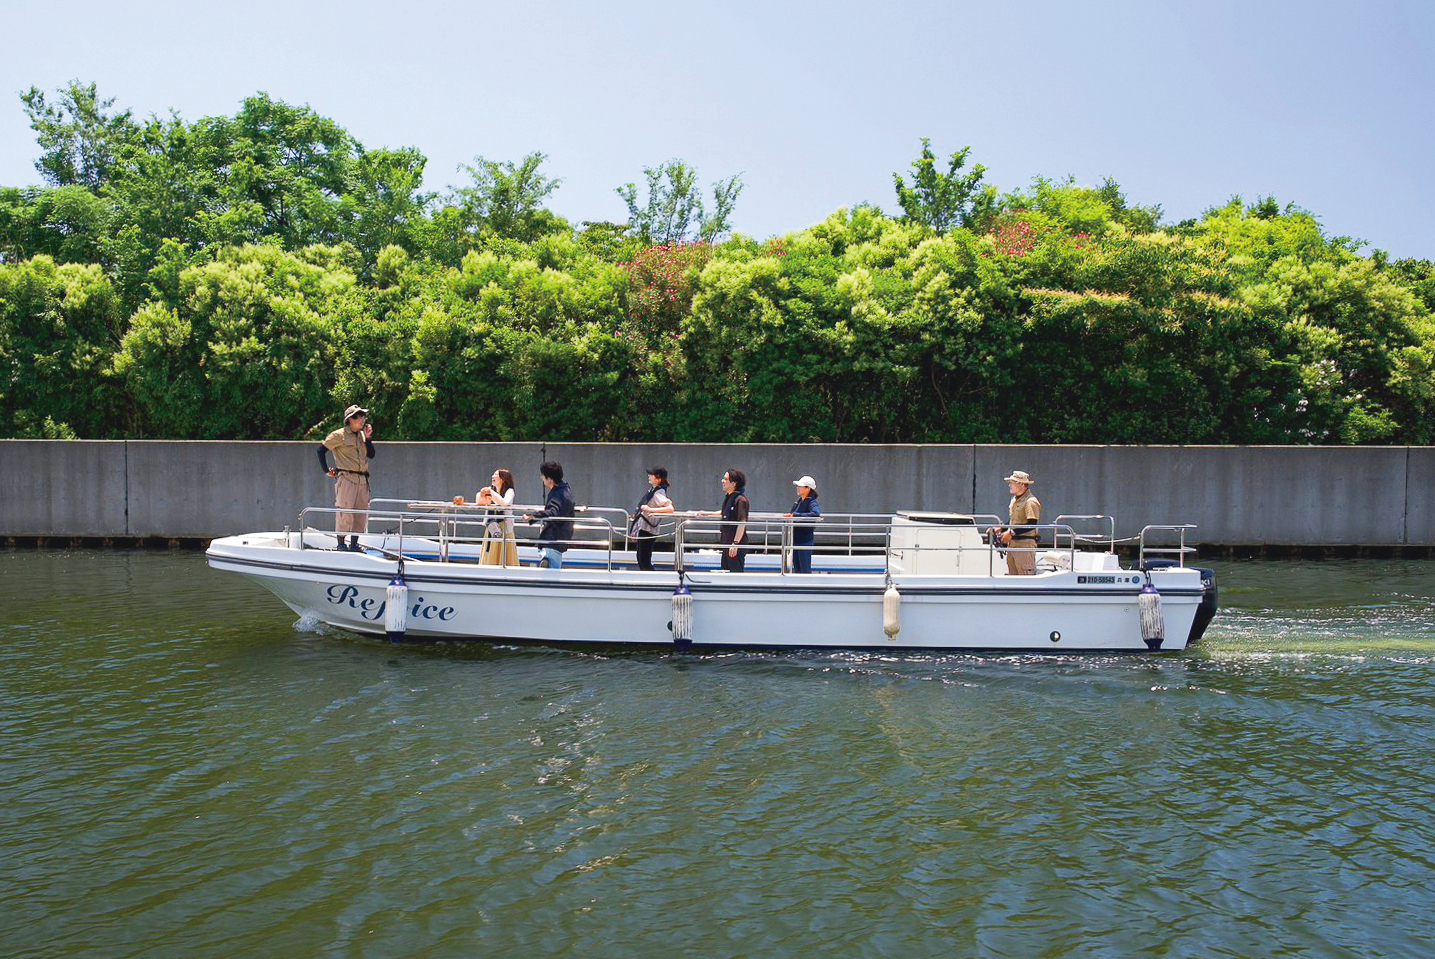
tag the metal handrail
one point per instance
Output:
(1180, 550)
(446, 527)
(787, 523)
(1110, 536)
(852, 534)
(424, 506)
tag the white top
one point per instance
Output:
(646, 522)
(495, 529)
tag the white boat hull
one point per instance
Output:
(1055, 611)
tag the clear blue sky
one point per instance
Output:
(815, 103)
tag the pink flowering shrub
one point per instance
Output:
(662, 285)
(1014, 233)
(663, 282)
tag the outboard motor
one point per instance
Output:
(1209, 604)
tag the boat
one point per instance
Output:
(914, 580)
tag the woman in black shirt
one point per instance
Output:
(735, 507)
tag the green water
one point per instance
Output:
(186, 773)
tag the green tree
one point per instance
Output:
(718, 223)
(386, 205)
(1254, 236)
(278, 171)
(674, 205)
(1079, 210)
(68, 223)
(1364, 347)
(60, 326)
(81, 142)
(944, 201)
(250, 350)
(1419, 276)
(507, 199)
(611, 242)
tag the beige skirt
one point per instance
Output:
(500, 552)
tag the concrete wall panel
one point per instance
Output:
(1305, 496)
(195, 488)
(850, 478)
(1419, 492)
(72, 488)
(1235, 495)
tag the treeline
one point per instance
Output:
(247, 277)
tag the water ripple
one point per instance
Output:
(191, 773)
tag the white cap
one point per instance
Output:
(807, 481)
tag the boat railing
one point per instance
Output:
(773, 533)
(617, 518)
(1180, 550)
(1104, 537)
(448, 525)
(849, 534)
(436, 528)
(866, 533)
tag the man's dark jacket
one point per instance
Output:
(559, 503)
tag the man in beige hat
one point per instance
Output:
(1023, 513)
(353, 446)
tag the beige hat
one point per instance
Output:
(1019, 476)
(353, 411)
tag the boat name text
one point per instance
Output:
(372, 608)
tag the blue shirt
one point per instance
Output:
(802, 533)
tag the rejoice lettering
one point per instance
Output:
(373, 609)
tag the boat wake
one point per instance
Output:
(309, 623)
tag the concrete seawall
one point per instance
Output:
(1237, 496)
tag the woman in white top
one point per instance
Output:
(654, 504)
(500, 548)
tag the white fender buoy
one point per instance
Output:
(891, 612)
(682, 624)
(1153, 624)
(396, 609)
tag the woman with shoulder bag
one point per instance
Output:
(653, 504)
